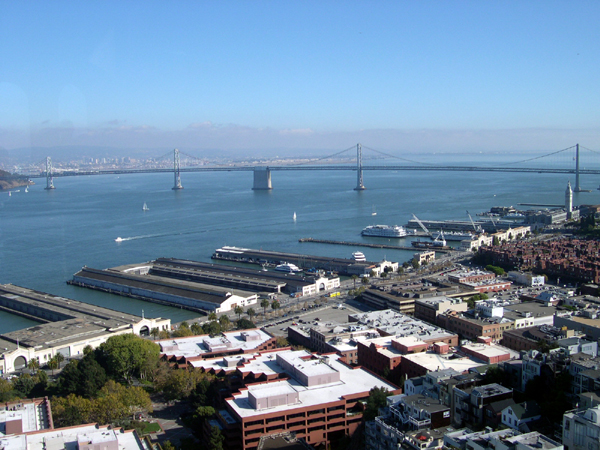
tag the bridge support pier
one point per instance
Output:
(359, 173)
(262, 179)
(49, 178)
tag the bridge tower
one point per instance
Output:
(176, 171)
(577, 188)
(359, 174)
(49, 179)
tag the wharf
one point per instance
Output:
(547, 205)
(364, 244)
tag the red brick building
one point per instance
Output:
(319, 398)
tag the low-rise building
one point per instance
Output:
(193, 350)
(469, 402)
(581, 429)
(429, 309)
(68, 326)
(526, 278)
(517, 415)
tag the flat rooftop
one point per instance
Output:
(197, 345)
(71, 437)
(401, 325)
(534, 308)
(434, 362)
(173, 287)
(74, 320)
(352, 381)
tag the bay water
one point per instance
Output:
(47, 236)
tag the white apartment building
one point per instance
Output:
(581, 429)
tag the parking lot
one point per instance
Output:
(328, 312)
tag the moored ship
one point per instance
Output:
(287, 267)
(394, 231)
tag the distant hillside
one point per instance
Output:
(10, 184)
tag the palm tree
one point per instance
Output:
(251, 313)
(275, 305)
(53, 364)
(354, 277)
(212, 316)
(265, 304)
(154, 332)
(33, 365)
(239, 311)
(60, 358)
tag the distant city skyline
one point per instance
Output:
(254, 78)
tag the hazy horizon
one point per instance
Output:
(295, 78)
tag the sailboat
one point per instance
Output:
(294, 216)
(374, 213)
(26, 188)
(145, 207)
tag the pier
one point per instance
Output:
(364, 244)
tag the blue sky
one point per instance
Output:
(401, 75)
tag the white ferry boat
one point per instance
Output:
(287, 267)
(359, 257)
(393, 231)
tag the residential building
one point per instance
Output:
(581, 429)
(469, 403)
(516, 415)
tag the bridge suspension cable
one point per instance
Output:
(539, 157)
(324, 157)
(398, 157)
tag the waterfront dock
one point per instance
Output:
(365, 244)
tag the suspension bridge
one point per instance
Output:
(568, 161)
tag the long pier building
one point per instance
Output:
(66, 326)
(199, 286)
(342, 266)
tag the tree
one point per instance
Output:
(133, 398)
(168, 446)
(182, 332)
(154, 332)
(264, 303)
(60, 358)
(244, 324)
(33, 365)
(71, 410)
(225, 323)
(251, 313)
(364, 280)
(354, 278)
(239, 311)
(376, 400)
(415, 263)
(24, 384)
(6, 390)
(280, 341)
(87, 350)
(53, 364)
(212, 315)
(275, 305)
(125, 355)
(215, 441)
(213, 328)
(196, 328)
